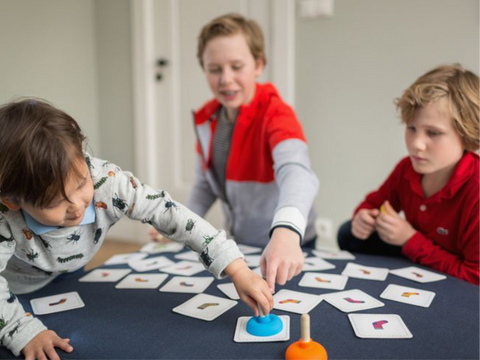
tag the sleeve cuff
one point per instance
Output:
(290, 218)
(25, 336)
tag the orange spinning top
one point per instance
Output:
(306, 348)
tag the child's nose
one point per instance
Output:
(419, 142)
(226, 77)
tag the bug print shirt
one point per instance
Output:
(29, 261)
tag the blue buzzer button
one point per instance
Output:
(264, 325)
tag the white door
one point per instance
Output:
(170, 83)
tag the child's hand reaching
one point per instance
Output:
(42, 346)
(392, 228)
(251, 288)
(363, 223)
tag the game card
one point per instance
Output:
(187, 255)
(124, 258)
(205, 307)
(253, 260)
(323, 281)
(184, 284)
(246, 249)
(408, 295)
(229, 290)
(56, 303)
(352, 300)
(142, 281)
(185, 268)
(105, 275)
(241, 334)
(334, 255)
(152, 263)
(379, 326)
(294, 301)
(316, 264)
(156, 248)
(365, 272)
(416, 274)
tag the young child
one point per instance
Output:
(437, 186)
(252, 153)
(57, 206)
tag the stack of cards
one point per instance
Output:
(352, 300)
(365, 272)
(156, 248)
(417, 274)
(205, 307)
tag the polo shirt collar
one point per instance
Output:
(463, 171)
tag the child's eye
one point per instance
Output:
(411, 128)
(213, 71)
(237, 67)
(433, 133)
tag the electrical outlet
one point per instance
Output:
(324, 228)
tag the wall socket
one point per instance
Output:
(324, 227)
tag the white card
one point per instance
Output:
(152, 263)
(205, 307)
(156, 248)
(184, 284)
(294, 301)
(105, 275)
(417, 274)
(185, 268)
(323, 281)
(229, 290)
(365, 272)
(352, 300)
(253, 260)
(246, 249)
(56, 303)
(334, 255)
(187, 255)
(379, 326)
(241, 334)
(408, 295)
(316, 264)
(124, 258)
(142, 281)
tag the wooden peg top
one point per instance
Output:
(305, 327)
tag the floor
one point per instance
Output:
(110, 248)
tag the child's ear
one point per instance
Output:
(259, 65)
(11, 205)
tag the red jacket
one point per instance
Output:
(447, 223)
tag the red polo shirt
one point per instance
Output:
(447, 223)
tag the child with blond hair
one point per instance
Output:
(437, 186)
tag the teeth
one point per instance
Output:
(229, 93)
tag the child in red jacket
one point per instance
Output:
(437, 186)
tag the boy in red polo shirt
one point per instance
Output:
(437, 186)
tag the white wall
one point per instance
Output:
(47, 50)
(350, 68)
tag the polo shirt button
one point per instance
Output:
(423, 207)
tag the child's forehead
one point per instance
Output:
(435, 113)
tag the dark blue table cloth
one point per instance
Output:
(140, 324)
